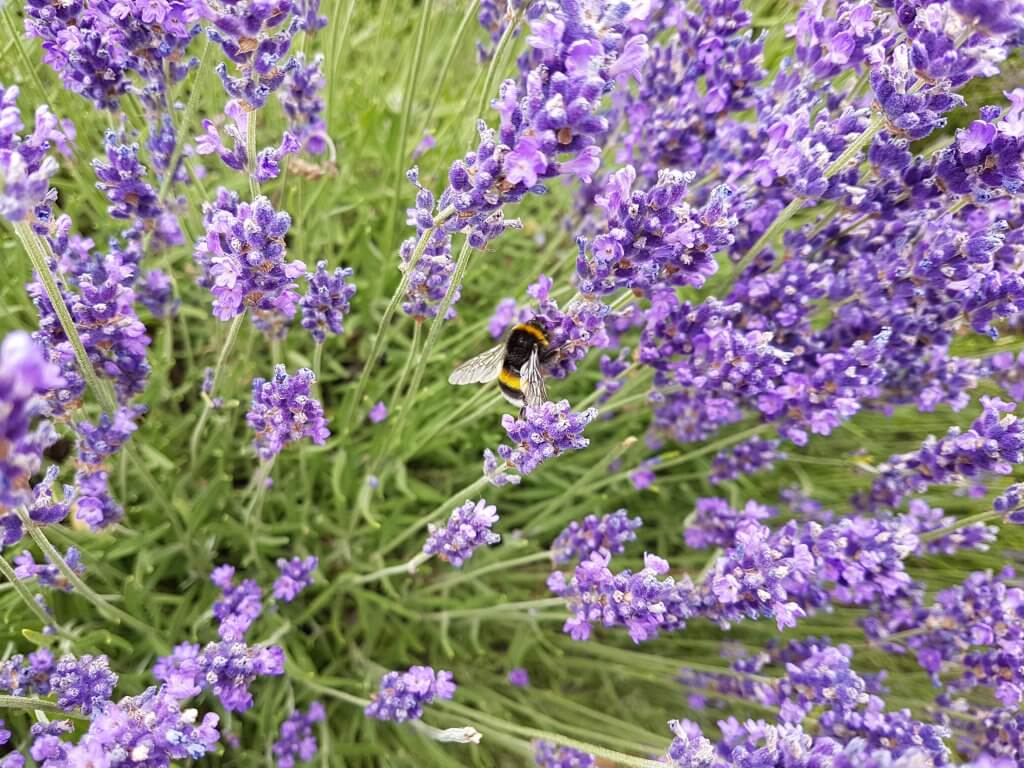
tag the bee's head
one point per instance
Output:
(539, 323)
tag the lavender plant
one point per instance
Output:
(766, 513)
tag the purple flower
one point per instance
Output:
(468, 528)
(256, 39)
(243, 257)
(432, 272)
(744, 459)
(1008, 503)
(714, 523)
(654, 240)
(750, 579)
(48, 574)
(506, 314)
(148, 729)
(825, 679)
(378, 412)
(239, 605)
(519, 677)
(178, 671)
(689, 748)
(25, 165)
(296, 575)
(326, 301)
(227, 669)
(21, 676)
(283, 412)
(642, 602)
(303, 104)
(25, 376)
(297, 741)
(401, 696)
(607, 534)
(543, 432)
(548, 755)
(155, 294)
(84, 683)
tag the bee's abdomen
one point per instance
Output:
(508, 382)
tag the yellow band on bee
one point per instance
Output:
(508, 378)
(537, 333)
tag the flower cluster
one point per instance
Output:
(296, 575)
(401, 696)
(543, 432)
(239, 605)
(468, 528)
(326, 301)
(297, 741)
(607, 534)
(714, 523)
(283, 411)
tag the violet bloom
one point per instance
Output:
(468, 528)
(519, 677)
(654, 239)
(743, 459)
(256, 39)
(714, 522)
(689, 747)
(97, 444)
(607, 534)
(48, 575)
(25, 165)
(543, 432)
(401, 696)
(296, 575)
(303, 104)
(155, 294)
(243, 257)
(992, 445)
(431, 273)
(378, 413)
(27, 676)
(84, 683)
(1008, 503)
(25, 376)
(122, 178)
(750, 580)
(326, 301)
(239, 605)
(297, 741)
(151, 728)
(227, 669)
(642, 602)
(47, 745)
(548, 755)
(824, 679)
(283, 411)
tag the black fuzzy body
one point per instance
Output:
(523, 339)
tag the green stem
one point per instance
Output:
(411, 76)
(491, 610)
(250, 148)
(39, 254)
(532, 733)
(184, 126)
(318, 356)
(981, 517)
(225, 350)
(42, 705)
(24, 593)
(113, 613)
(409, 567)
(464, 493)
(454, 48)
(436, 325)
(378, 340)
(504, 565)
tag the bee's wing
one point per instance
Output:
(481, 369)
(531, 380)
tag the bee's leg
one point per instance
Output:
(549, 355)
(522, 412)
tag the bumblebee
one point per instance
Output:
(516, 364)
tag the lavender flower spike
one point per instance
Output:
(468, 528)
(25, 376)
(402, 695)
(607, 534)
(296, 575)
(283, 411)
(544, 432)
(326, 302)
